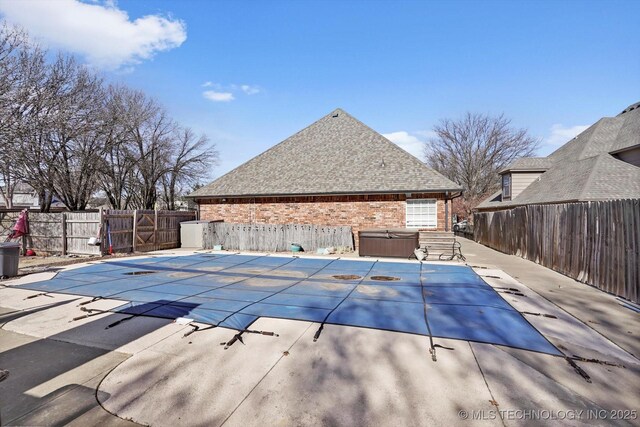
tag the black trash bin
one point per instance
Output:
(389, 243)
(9, 259)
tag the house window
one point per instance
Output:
(421, 213)
(506, 187)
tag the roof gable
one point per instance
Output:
(335, 155)
(629, 135)
(528, 164)
(583, 169)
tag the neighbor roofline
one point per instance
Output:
(516, 205)
(503, 171)
(621, 150)
(355, 193)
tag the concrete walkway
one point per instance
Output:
(145, 370)
(601, 311)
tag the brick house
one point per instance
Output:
(336, 172)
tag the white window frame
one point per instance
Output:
(507, 184)
(421, 213)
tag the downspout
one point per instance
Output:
(446, 208)
(446, 211)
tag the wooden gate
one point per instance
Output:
(144, 230)
(154, 230)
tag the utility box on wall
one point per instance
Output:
(191, 234)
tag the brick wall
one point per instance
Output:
(359, 212)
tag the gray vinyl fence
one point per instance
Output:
(275, 237)
(69, 232)
(597, 243)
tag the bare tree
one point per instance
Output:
(191, 160)
(59, 132)
(471, 151)
(31, 105)
(75, 133)
(118, 162)
(142, 138)
(12, 41)
(65, 134)
(148, 131)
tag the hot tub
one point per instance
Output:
(388, 242)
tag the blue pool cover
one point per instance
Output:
(233, 291)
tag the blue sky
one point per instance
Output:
(249, 74)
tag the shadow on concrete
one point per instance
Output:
(17, 314)
(53, 381)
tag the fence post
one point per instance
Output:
(101, 231)
(156, 246)
(135, 229)
(64, 233)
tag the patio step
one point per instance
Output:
(435, 237)
(437, 243)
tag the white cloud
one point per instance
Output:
(560, 134)
(426, 134)
(250, 90)
(218, 96)
(226, 92)
(410, 142)
(102, 33)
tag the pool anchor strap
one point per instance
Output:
(597, 361)
(94, 299)
(41, 294)
(318, 332)
(89, 312)
(238, 336)
(550, 316)
(117, 322)
(518, 293)
(432, 351)
(197, 328)
(432, 346)
(578, 369)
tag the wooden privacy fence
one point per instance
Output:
(69, 232)
(61, 232)
(275, 237)
(594, 242)
(143, 230)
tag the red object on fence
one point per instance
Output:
(22, 225)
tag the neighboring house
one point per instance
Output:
(601, 163)
(24, 196)
(577, 210)
(336, 172)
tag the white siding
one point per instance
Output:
(520, 181)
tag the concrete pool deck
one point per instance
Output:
(145, 371)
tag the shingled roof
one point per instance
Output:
(335, 155)
(529, 164)
(585, 168)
